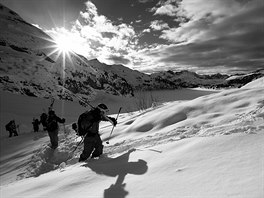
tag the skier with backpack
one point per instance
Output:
(11, 128)
(36, 124)
(88, 127)
(53, 127)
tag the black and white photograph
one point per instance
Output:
(132, 98)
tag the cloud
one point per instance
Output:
(168, 7)
(95, 36)
(146, 30)
(100, 36)
(202, 21)
(91, 11)
(218, 35)
(211, 56)
(158, 25)
(119, 59)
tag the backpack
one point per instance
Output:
(52, 124)
(85, 122)
(7, 126)
(43, 119)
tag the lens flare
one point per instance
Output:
(64, 44)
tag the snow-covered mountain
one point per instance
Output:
(31, 65)
(138, 80)
(175, 80)
(191, 79)
(243, 79)
(133, 77)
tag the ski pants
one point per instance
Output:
(92, 144)
(54, 138)
(36, 128)
(11, 132)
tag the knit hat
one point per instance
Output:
(102, 106)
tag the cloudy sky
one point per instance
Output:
(205, 36)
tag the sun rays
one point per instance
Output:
(63, 46)
(64, 43)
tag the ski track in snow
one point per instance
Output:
(46, 159)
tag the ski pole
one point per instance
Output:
(107, 142)
(75, 149)
(65, 133)
(52, 103)
(79, 143)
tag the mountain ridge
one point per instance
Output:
(178, 79)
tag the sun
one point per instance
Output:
(68, 43)
(64, 43)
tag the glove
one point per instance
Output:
(74, 126)
(114, 121)
(63, 120)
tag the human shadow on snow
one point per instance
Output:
(120, 167)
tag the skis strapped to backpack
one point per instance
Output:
(44, 115)
(51, 103)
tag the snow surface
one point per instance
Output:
(256, 83)
(211, 146)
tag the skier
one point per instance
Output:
(89, 121)
(11, 128)
(36, 124)
(53, 128)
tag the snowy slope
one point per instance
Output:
(211, 146)
(223, 166)
(256, 83)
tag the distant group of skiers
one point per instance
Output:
(87, 126)
(36, 124)
(11, 127)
